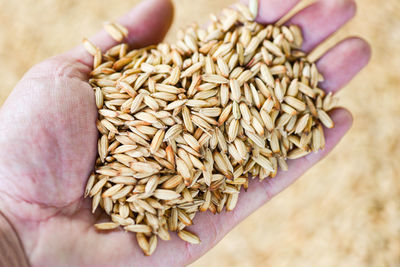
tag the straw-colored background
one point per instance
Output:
(345, 211)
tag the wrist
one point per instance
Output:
(11, 250)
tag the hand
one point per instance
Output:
(49, 140)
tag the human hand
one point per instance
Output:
(49, 145)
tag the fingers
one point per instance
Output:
(212, 228)
(321, 19)
(270, 11)
(147, 23)
(341, 63)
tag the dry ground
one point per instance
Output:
(345, 211)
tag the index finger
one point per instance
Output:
(270, 11)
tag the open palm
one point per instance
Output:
(49, 142)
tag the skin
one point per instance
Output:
(49, 142)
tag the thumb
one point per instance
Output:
(147, 23)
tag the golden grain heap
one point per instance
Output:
(183, 127)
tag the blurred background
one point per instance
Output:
(343, 212)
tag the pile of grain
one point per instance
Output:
(183, 127)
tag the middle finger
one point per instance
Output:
(321, 19)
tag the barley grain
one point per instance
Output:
(106, 226)
(189, 237)
(183, 125)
